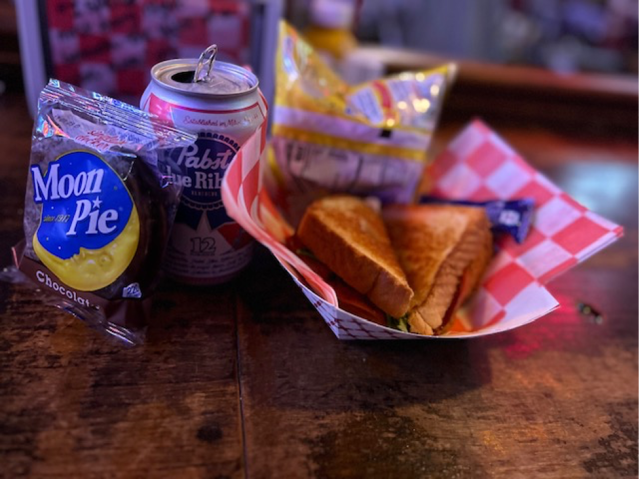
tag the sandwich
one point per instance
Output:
(349, 237)
(410, 267)
(444, 251)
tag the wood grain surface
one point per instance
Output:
(246, 380)
(10, 68)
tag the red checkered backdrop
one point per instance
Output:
(110, 47)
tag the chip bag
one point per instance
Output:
(99, 207)
(327, 136)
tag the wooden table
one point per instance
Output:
(246, 380)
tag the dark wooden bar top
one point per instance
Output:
(246, 380)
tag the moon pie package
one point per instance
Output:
(99, 207)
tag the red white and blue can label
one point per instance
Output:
(206, 245)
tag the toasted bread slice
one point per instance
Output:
(350, 238)
(444, 251)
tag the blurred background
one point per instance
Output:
(562, 35)
(109, 45)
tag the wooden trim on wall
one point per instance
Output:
(580, 103)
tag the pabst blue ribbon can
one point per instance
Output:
(222, 104)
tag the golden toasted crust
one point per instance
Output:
(423, 237)
(418, 325)
(350, 238)
(444, 251)
(475, 271)
(445, 288)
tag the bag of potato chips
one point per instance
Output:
(99, 207)
(327, 136)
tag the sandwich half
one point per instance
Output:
(444, 251)
(350, 238)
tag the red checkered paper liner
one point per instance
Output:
(477, 165)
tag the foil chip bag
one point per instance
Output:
(328, 136)
(99, 207)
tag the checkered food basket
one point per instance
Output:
(478, 166)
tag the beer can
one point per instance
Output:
(224, 107)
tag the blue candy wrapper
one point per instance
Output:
(512, 217)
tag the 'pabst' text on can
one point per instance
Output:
(222, 104)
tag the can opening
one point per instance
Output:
(183, 77)
(226, 81)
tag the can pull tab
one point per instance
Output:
(205, 64)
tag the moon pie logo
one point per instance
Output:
(90, 228)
